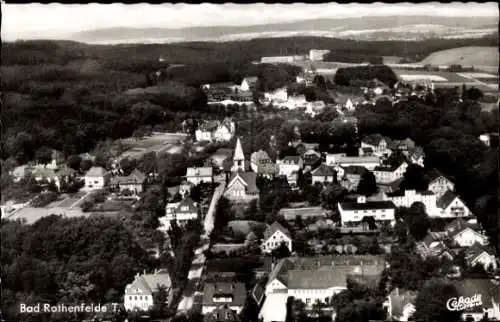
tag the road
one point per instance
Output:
(198, 262)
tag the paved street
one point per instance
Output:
(198, 263)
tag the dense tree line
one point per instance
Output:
(350, 75)
(67, 260)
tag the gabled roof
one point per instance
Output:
(222, 313)
(446, 199)
(208, 126)
(417, 152)
(199, 172)
(276, 226)
(323, 171)
(95, 172)
(190, 203)
(476, 250)
(258, 156)
(148, 283)
(434, 174)
(375, 139)
(249, 179)
(235, 290)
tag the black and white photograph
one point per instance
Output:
(258, 162)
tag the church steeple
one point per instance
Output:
(239, 157)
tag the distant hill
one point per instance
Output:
(366, 28)
(465, 56)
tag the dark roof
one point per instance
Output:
(135, 177)
(250, 179)
(389, 168)
(460, 224)
(367, 205)
(235, 290)
(291, 159)
(374, 139)
(276, 226)
(189, 203)
(323, 171)
(433, 174)
(446, 199)
(355, 169)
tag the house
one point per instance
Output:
(239, 162)
(390, 187)
(182, 212)
(289, 167)
(402, 145)
(291, 214)
(451, 206)
(95, 178)
(463, 234)
(389, 173)
(56, 159)
(352, 176)
(369, 162)
(185, 188)
(248, 83)
(478, 297)
(261, 163)
(315, 279)
(354, 213)
(407, 198)
(274, 236)
(378, 143)
(197, 175)
(278, 96)
(438, 183)
(318, 54)
(139, 294)
(315, 108)
(19, 172)
(323, 174)
(222, 313)
(46, 174)
(311, 158)
(340, 171)
(242, 187)
(132, 183)
(433, 246)
(295, 101)
(482, 255)
(400, 304)
(225, 130)
(205, 132)
(215, 294)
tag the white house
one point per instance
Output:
(139, 293)
(181, 212)
(248, 83)
(317, 54)
(409, 197)
(95, 178)
(279, 96)
(352, 213)
(289, 167)
(466, 236)
(261, 163)
(294, 102)
(451, 206)
(199, 175)
(378, 143)
(205, 132)
(315, 108)
(388, 174)
(480, 255)
(341, 159)
(438, 183)
(274, 236)
(400, 304)
(323, 174)
(47, 174)
(225, 130)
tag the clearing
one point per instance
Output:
(465, 56)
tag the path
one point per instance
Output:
(198, 263)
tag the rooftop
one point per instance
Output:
(235, 290)
(367, 205)
(96, 172)
(276, 226)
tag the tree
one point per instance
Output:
(431, 301)
(281, 251)
(367, 184)
(44, 155)
(333, 194)
(416, 218)
(85, 165)
(74, 162)
(160, 299)
(414, 178)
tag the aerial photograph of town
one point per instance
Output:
(250, 162)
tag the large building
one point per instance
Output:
(354, 213)
(318, 54)
(341, 159)
(139, 293)
(316, 279)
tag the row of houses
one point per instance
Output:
(215, 131)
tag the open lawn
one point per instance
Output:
(158, 143)
(434, 76)
(465, 56)
(33, 214)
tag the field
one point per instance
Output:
(158, 142)
(465, 56)
(33, 214)
(436, 77)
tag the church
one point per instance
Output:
(242, 185)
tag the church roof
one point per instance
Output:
(238, 152)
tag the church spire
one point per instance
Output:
(239, 157)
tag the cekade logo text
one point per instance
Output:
(463, 303)
(62, 308)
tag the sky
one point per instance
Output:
(35, 20)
